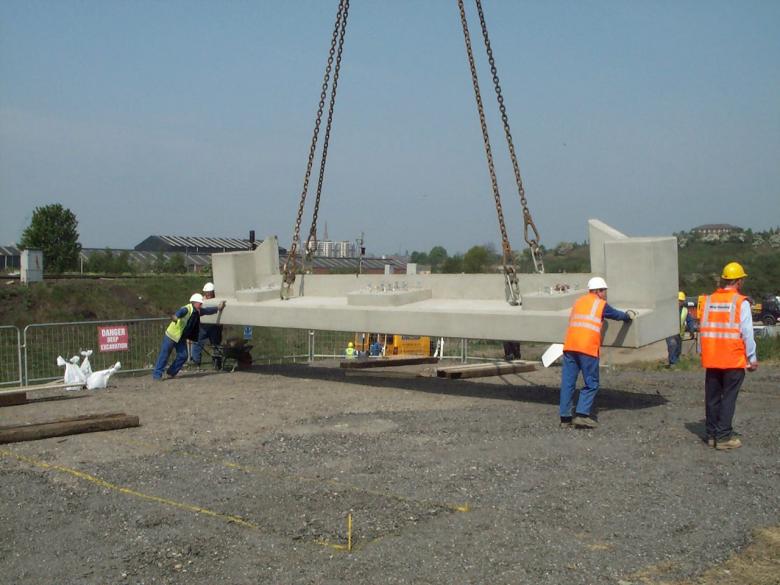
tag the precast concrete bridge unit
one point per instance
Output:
(641, 273)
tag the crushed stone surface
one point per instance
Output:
(250, 477)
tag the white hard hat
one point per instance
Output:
(208, 287)
(196, 298)
(597, 283)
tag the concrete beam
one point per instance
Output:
(641, 272)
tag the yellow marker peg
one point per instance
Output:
(349, 532)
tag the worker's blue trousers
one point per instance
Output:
(573, 363)
(167, 346)
(674, 348)
(208, 332)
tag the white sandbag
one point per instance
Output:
(100, 379)
(73, 375)
(86, 367)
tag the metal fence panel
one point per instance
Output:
(276, 345)
(35, 360)
(43, 342)
(10, 356)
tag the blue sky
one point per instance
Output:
(194, 118)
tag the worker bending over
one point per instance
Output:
(184, 325)
(727, 348)
(581, 353)
(211, 332)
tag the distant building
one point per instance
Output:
(715, 229)
(332, 265)
(331, 249)
(187, 244)
(10, 258)
(145, 260)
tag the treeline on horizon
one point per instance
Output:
(700, 260)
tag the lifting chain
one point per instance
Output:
(311, 242)
(510, 271)
(291, 264)
(530, 232)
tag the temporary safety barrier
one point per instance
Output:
(10, 356)
(30, 357)
(134, 342)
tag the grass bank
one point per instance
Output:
(87, 300)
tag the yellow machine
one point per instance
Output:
(394, 344)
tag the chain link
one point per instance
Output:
(530, 230)
(510, 273)
(311, 243)
(291, 264)
(532, 239)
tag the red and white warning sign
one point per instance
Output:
(113, 338)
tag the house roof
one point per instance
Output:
(716, 226)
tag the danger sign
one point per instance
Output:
(113, 338)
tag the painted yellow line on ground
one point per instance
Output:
(127, 491)
(165, 501)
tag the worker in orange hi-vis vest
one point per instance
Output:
(727, 349)
(581, 353)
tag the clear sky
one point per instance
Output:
(195, 117)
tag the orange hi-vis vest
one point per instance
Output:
(585, 319)
(722, 346)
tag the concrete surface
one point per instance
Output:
(641, 272)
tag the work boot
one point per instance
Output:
(731, 443)
(566, 423)
(585, 422)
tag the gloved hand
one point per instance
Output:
(631, 314)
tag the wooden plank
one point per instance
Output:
(388, 362)
(58, 386)
(395, 374)
(485, 370)
(13, 398)
(89, 423)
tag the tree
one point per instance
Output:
(419, 258)
(453, 265)
(476, 260)
(53, 229)
(437, 257)
(159, 265)
(106, 262)
(176, 263)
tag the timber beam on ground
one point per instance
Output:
(387, 362)
(89, 423)
(52, 386)
(486, 369)
(13, 398)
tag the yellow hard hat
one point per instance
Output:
(350, 344)
(733, 271)
(681, 296)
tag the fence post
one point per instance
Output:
(24, 345)
(311, 346)
(464, 350)
(19, 355)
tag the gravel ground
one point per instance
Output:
(249, 478)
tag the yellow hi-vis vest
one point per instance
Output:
(350, 353)
(683, 317)
(176, 328)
